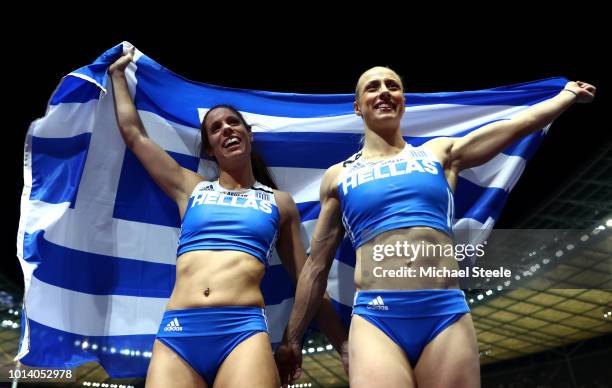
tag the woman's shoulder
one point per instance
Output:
(283, 198)
(286, 205)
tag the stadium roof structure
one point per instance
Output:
(568, 297)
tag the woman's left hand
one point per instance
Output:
(344, 356)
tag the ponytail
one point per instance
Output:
(260, 170)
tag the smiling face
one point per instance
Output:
(227, 133)
(380, 97)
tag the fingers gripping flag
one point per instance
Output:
(97, 238)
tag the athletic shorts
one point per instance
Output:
(205, 336)
(412, 318)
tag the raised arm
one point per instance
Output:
(177, 182)
(483, 144)
(312, 281)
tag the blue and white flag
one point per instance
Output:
(97, 238)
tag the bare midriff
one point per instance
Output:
(429, 256)
(217, 278)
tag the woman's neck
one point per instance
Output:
(382, 144)
(235, 179)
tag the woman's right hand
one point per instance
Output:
(288, 358)
(121, 63)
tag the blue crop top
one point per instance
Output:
(407, 190)
(221, 219)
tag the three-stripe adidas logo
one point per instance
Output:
(377, 304)
(173, 325)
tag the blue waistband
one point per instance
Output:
(410, 303)
(204, 321)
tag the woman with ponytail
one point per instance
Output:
(214, 329)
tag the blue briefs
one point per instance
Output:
(411, 319)
(205, 336)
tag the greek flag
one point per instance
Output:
(97, 238)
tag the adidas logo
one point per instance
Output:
(173, 325)
(377, 304)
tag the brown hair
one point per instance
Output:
(260, 169)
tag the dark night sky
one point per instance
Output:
(278, 58)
